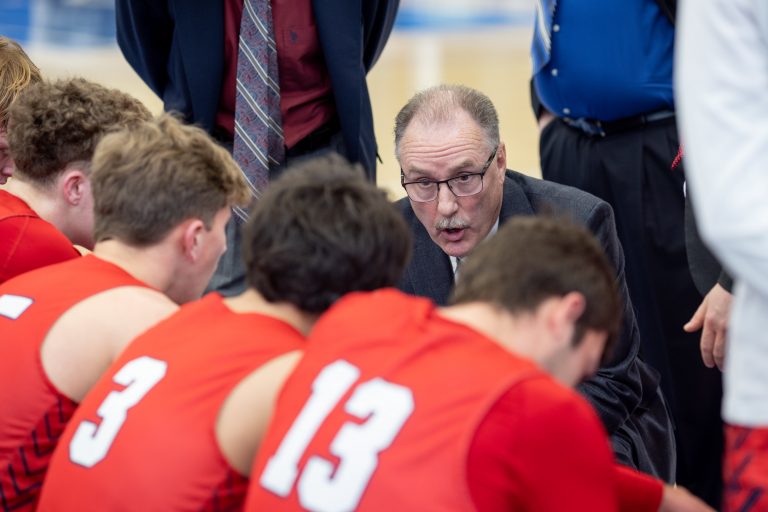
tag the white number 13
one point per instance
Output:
(322, 487)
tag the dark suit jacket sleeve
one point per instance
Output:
(378, 20)
(617, 388)
(726, 281)
(176, 47)
(144, 32)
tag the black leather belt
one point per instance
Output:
(316, 140)
(597, 128)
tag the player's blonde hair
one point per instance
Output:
(17, 72)
(148, 179)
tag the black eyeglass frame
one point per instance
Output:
(487, 164)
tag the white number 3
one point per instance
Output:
(91, 442)
(322, 487)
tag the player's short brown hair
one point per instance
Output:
(531, 259)
(320, 231)
(53, 124)
(17, 71)
(149, 178)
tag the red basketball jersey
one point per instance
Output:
(28, 242)
(382, 411)
(33, 412)
(145, 434)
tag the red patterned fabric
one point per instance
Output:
(745, 469)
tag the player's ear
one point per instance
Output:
(192, 231)
(75, 185)
(591, 347)
(564, 315)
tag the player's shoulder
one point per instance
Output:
(376, 299)
(36, 237)
(387, 305)
(139, 296)
(121, 308)
(549, 402)
(12, 206)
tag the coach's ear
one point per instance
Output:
(501, 160)
(192, 231)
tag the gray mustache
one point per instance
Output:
(451, 223)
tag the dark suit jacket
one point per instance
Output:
(177, 48)
(625, 392)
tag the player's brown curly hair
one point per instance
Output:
(53, 124)
(320, 231)
(17, 72)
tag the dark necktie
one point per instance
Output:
(258, 144)
(456, 270)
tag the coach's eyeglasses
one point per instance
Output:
(424, 190)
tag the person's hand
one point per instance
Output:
(678, 499)
(712, 317)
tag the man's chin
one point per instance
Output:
(458, 249)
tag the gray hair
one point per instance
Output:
(440, 103)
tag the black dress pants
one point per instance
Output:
(631, 171)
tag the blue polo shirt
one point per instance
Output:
(610, 59)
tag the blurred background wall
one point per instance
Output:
(480, 43)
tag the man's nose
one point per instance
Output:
(446, 201)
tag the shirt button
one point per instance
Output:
(555, 28)
(566, 111)
(554, 72)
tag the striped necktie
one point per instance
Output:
(258, 143)
(541, 47)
